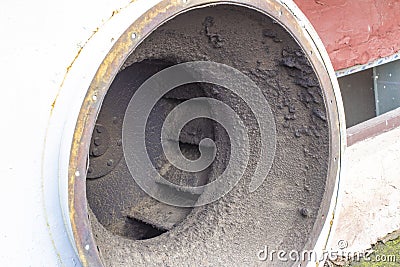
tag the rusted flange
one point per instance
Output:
(288, 16)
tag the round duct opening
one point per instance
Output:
(127, 226)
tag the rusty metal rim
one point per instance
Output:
(294, 23)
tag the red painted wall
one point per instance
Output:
(355, 31)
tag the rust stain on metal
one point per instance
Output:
(75, 150)
(114, 12)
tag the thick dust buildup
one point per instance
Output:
(282, 212)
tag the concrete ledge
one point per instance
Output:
(373, 127)
(370, 185)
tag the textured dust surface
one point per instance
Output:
(280, 214)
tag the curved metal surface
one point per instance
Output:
(287, 15)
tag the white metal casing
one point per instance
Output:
(53, 51)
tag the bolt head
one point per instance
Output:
(97, 141)
(96, 152)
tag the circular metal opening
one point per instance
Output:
(128, 227)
